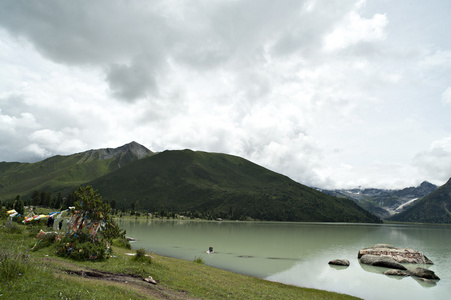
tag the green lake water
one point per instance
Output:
(298, 253)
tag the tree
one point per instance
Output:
(18, 205)
(35, 198)
(92, 230)
(113, 204)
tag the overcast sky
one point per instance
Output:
(333, 94)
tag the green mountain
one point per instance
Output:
(65, 173)
(433, 208)
(222, 186)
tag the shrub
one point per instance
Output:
(45, 239)
(199, 260)
(12, 264)
(12, 227)
(142, 257)
(91, 229)
(122, 243)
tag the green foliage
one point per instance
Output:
(141, 256)
(199, 260)
(84, 241)
(122, 242)
(82, 247)
(13, 227)
(45, 239)
(12, 265)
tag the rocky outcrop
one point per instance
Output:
(381, 261)
(400, 255)
(423, 273)
(339, 262)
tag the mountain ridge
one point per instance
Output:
(61, 173)
(385, 202)
(432, 208)
(221, 185)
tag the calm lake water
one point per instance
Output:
(298, 253)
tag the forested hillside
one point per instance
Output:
(220, 185)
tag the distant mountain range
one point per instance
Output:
(433, 208)
(385, 203)
(184, 181)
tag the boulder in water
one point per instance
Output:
(423, 273)
(401, 255)
(339, 262)
(381, 261)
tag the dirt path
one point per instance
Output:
(134, 282)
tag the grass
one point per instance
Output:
(24, 274)
(199, 260)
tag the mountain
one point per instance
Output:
(64, 173)
(385, 203)
(433, 208)
(223, 186)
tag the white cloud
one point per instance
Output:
(354, 29)
(435, 163)
(446, 96)
(300, 87)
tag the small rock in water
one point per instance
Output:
(423, 273)
(339, 262)
(395, 272)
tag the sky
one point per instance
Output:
(332, 93)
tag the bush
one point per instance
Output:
(199, 260)
(12, 265)
(122, 243)
(142, 257)
(82, 247)
(45, 239)
(12, 227)
(91, 229)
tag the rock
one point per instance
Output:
(381, 261)
(394, 272)
(423, 273)
(401, 255)
(339, 262)
(150, 280)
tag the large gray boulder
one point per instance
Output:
(401, 255)
(423, 273)
(381, 261)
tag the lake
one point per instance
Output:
(298, 253)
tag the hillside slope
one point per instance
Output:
(433, 208)
(223, 186)
(65, 173)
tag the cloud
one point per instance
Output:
(446, 96)
(435, 162)
(355, 29)
(301, 87)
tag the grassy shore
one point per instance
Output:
(43, 275)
